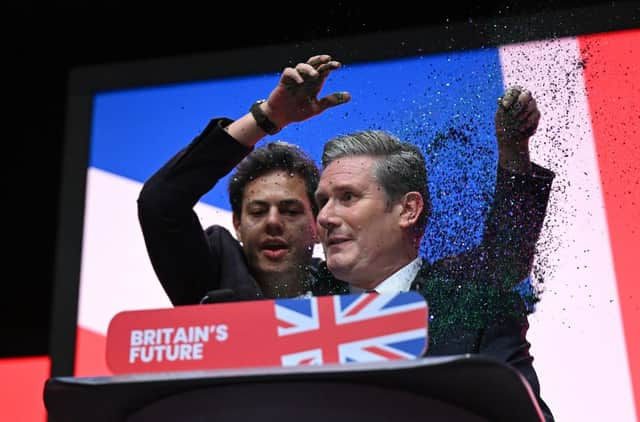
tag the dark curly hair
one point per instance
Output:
(271, 157)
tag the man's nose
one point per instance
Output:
(274, 221)
(327, 217)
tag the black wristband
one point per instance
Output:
(262, 120)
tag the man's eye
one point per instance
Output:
(321, 202)
(291, 211)
(347, 196)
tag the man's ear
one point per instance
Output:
(236, 226)
(412, 205)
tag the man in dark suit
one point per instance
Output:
(374, 206)
(271, 195)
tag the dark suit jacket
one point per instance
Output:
(472, 305)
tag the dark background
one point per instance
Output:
(43, 44)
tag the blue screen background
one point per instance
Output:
(443, 103)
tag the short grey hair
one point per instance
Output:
(400, 166)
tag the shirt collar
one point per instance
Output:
(400, 281)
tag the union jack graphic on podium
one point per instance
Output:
(352, 328)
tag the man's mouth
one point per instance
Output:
(336, 240)
(274, 254)
(274, 249)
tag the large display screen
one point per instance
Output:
(127, 120)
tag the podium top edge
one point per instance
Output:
(273, 371)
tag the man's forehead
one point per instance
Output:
(351, 161)
(277, 178)
(346, 170)
(279, 202)
(276, 187)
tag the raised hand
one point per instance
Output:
(295, 98)
(516, 121)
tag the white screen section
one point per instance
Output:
(116, 272)
(576, 333)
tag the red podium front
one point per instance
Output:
(281, 332)
(332, 358)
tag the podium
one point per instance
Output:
(465, 388)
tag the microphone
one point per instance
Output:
(218, 296)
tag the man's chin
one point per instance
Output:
(271, 268)
(339, 269)
(274, 268)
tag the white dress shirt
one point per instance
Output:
(400, 281)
